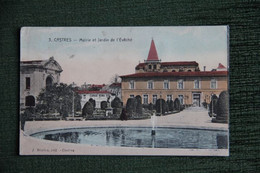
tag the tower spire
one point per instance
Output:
(152, 55)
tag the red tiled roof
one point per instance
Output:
(140, 65)
(177, 63)
(176, 74)
(92, 92)
(115, 85)
(152, 56)
(180, 63)
(221, 66)
(97, 86)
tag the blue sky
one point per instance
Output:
(96, 62)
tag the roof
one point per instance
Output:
(92, 92)
(115, 85)
(221, 66)
(152, 55)
(41, 64)
(97, 86)
(180, 63)
(32, 62)
(176, 74)
(177, 63)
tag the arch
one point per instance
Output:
(49, 81)
(165, 70)
(29, 101)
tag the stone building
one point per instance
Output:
(154, 79)
(34, 76)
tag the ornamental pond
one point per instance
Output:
(140, 137)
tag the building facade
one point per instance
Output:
(34, 76)
(114, 89)
(154, 79)
(98, 96)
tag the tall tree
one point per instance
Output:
(58, 98)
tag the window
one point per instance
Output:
(166, 84)
(49, 81)
(150, 66)
(181, 99)
(154, 99)
(213, 84)
(29, 101)
(93, 95)
(145, 99)
(27, 83)
(169, 97)
(101, 95)
(132, 84)
(154, 66)
(180, 84)
(132, 96)
(150, 85)
(196, 84)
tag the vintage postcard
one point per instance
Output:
(124, 91)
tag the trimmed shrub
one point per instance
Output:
(139, 106)
(103, 105)
(151, 107)
(166, 107)
(88, 109)
(93, 103)
(160, 106)
(171, 105)
(131, 106)
(213, 105)
(222, 107)
(116, 103)
(177, 104)
(117, 111)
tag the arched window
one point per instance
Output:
(29, 101)
(49, 81)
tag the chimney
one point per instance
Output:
(204, 67)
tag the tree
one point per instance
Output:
(58, 97)
(115, 79)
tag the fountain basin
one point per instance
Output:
(140, 137)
